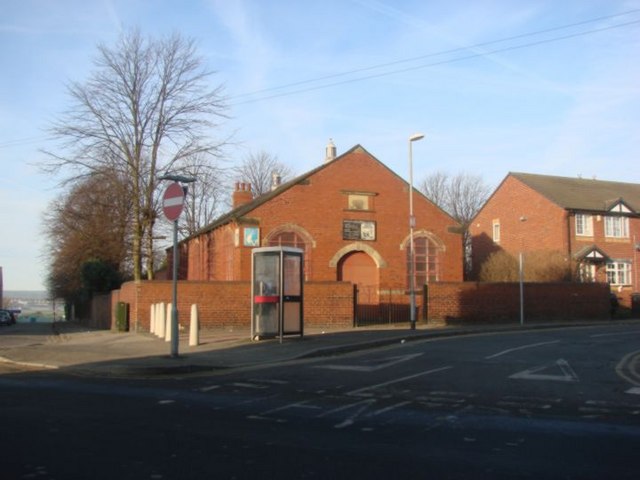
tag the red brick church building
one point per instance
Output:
(350, 215)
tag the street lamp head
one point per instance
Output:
(177, 178)
(416, 136)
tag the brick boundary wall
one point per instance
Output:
(453, 302)
(330, 304)
(228, 304)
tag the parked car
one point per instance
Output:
(6, 318)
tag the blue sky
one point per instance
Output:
(489, 97)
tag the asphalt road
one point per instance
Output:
(541, 404)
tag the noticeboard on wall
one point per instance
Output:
(251, 237)
(358, 230)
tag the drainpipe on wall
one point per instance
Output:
(569, 236)
(636, 287)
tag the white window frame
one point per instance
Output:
(616, 227)
(587, 272)
(619, 272)
(495, 230)
(584, 225)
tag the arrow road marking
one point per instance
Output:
(531, 345)
(568, 374)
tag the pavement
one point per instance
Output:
(73, 348)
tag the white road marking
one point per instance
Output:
(350, 420)
(269, 381)
(453, 394)
(268, 419)
(360, 391)
(615, 334)
(634, 391)
(389, 408)
(522, 347)
(378, 365)
(347, 407)
(249, 385)
(303, 404)
(568, 374)
(627, 369)
(209, 388)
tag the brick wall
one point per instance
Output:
(330, 304)
(452, 302)
(318, 205)
(545, 227)
(228, 304)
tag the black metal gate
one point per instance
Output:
(391, 308)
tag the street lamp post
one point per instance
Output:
(521, 271)
(174, 305)
(412, 223)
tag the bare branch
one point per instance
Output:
(146, 107)
(258, 170)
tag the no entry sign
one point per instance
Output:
(173, 201)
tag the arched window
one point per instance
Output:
(426, 262)
(288, 238)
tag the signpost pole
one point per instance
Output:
(173, 203)
(174, 305)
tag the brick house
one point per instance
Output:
(595, 224)
(349, 215)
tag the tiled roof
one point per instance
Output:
(583, 194)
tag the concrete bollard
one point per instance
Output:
(167, 330)
(194, 327)
(161, 320)
(152, 318)
(156, 325)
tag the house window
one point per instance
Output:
(619, 273)
(616, 227)
(359, 202)
(496, 231)
(584, 225)
(426, 262)
(587, 272)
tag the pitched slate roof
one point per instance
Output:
(583, 194)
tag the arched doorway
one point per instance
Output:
(360, 269)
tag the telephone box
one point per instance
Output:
(276, 292)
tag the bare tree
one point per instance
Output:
(258, 170)
(461, 196)
(436, 188)
(146, 106)
(206, 197)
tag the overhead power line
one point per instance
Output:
(23, 141)
(242, 96)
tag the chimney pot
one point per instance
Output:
(242, 194)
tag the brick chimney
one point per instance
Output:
(242, 194)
